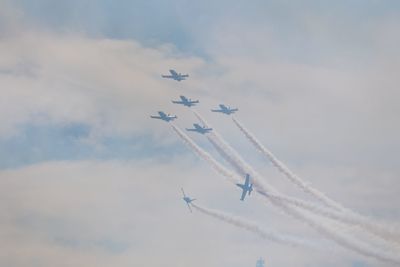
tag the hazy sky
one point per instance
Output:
(88, 179)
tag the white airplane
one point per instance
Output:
(176, 76)
(226, 110)
(247, 187)
(199, 129)
(186, 101)
(164, 117)
(188, 200)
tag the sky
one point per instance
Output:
(88, 179)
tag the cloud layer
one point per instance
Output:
(316, 83)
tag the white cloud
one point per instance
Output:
(113, 213)
(111, 85)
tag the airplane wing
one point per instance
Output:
(185, 75)
(189, 207)
(177, 102)
(167, 76)
(183, 192)
(192, 130)
(155, 117)
(194, 102)
(243, 195)
(240, 185)
(216, 110)
(247, 182)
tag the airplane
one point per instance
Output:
(199, 129)
(186, 101)
(247, 187)
(188, 200)
(164, 117)
(226, 110)
(176, 76)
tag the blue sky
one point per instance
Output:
(87, 175)
(191, 29)
(188, 26)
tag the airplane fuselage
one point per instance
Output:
(176, 76)
(188, 200)
(186, 101)
(199, 129)
(225, 110)
(164, 117)
(247, 187)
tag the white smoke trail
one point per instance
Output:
(235, 178)
(225, 149)
(386, 232)
(343, 240)
(321, 228)
(262, 187)
(351, 219)
(226, 157)
(227, 152)
(254, 228)
(290, 175)
(205, 156)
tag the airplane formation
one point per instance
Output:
(247, 187)
(338, 212)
